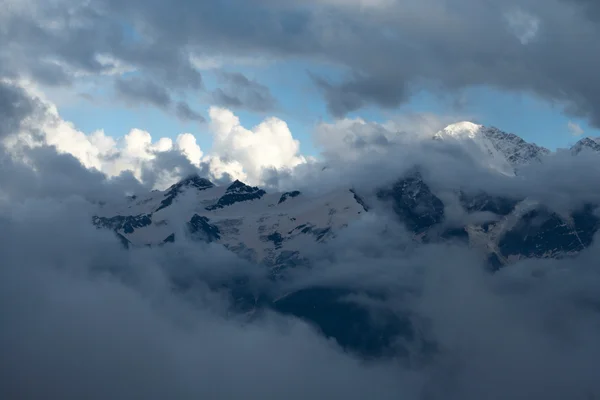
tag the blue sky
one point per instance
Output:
(302, 107)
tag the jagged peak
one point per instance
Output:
(588, 140)
(237, 192)
(195, 180)
(236, 184)
(239, 186)
(288, 195)
(467, 129)
(589, 143)
(507, 149)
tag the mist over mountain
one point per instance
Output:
(317, 199)
(275, 229)
(460, 265)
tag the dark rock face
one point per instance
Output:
(192, 181)
(349, 323)
(169, 239)
(586, 222)
(494, 263)
(456, 235)
(127, 223)
(124, 241)
(288, 195)
(237, 192)
(414, 203)
(485, 203)
(319, 233)
(359, 200)
(201, 228)
(287, 259)
(274, 237)
(541, 234)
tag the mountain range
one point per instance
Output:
(282, 230)
(275, 229)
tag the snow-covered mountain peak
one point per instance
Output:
(237, 192)
(501, 151)
(279, 228)
(240, 187)
(196, 181)
(474, 140)
(463, 129)
(190, 181)
(271, 228)
(587, 143)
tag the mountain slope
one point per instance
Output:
(586, 144)
(263, 227)
(501, 151)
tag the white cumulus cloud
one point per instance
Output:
(237, 151)
(186, 144)
(269, 145)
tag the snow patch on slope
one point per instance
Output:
(250, 222)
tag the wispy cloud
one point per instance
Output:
(239, 92)
(575, 129)
(523, 25)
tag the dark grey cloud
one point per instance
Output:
(185, 113)
(86, 96)
(220, 97)
(119, 329)
(136, 90)
(240, 92)
(403, 44)
(390, 51)
(86, 39)
(51, 74)
(589, 7)
(82, 318)
(15, 106)
(359, 91)
(156, 322)
(448, 289)
(139, 90)
(130, 334)
(167, 162)
(26, 33)
(42, 172)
